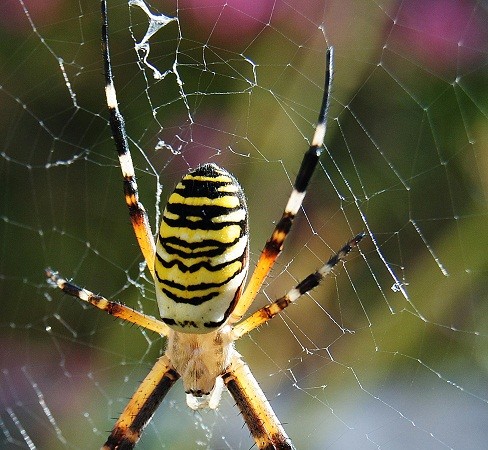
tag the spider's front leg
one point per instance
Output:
(137, 212)
(261, 420)
(274, 245)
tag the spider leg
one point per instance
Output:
(137, 212)
(274, 245)
(261, 420)
(269, 311)
(113, 308)
(141, 407)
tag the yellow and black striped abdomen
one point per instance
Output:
(202, 251)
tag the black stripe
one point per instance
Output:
(184, 323)
(200, 254)
(209, 189)
(210, 211)
(310, 282)
(311, 157)
(117, 124)
(309, 162)
(211, 170)
(130, 186)
(197, 266)
(274, 246)
(216, 324)
(329, 72)
(154, 400)
(284, 225)
(190, 301)
(218, 245)
(199, 286)
(70, 289)
(119, 442)
(204, 224)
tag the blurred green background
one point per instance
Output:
(391, 351)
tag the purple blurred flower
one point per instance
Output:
(442, 33)
(14, 18)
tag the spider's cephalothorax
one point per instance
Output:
(200, 360)
(202, 251)
(199, 265)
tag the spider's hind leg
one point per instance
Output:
(142, 406)
(262, 422)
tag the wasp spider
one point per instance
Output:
(199, 265)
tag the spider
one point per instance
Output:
(199, 264)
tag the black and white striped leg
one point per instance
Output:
(274, 245)
(137, 212)
(113, 308)
(314, 279)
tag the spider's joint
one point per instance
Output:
(294, 202)
(111, 96)
(126, 165)
(319, 135)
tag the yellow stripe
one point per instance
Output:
(219, 179)
(202, 275)
(226, 201)
(170, 215)
(190, 251)
(225, 236)
(231, 252)
(228, 188)
(234, 216)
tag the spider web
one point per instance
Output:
(391, 351)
